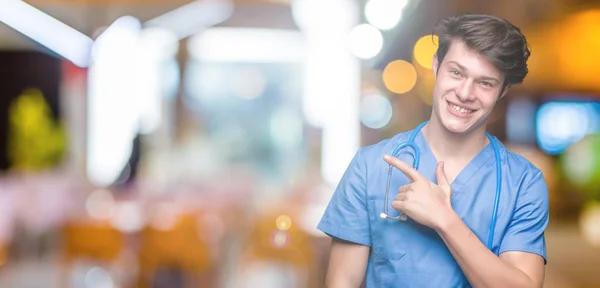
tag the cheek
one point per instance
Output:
(488, 101)
(443, 87)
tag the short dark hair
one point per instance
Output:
(501, 42)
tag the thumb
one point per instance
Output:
(442, 180)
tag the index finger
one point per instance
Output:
(410, 172)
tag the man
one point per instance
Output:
(453, 236)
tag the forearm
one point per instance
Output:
(347, 264)
(482, 267)
(343, 283)
(341, 279)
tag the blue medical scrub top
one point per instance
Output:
(408, 254)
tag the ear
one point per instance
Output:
(435, 65)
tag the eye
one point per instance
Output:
(486, 84)
(455, 73)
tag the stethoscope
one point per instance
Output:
(417, 157)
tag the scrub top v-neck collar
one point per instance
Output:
(478, 162)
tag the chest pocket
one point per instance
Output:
(394, 247)
(408, 254)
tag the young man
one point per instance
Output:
(476, 212)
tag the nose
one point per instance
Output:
(465, 91)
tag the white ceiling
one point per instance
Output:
(250, 13)
(88, 18)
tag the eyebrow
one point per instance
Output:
(487, 78)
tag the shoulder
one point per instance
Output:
(523, 173)
(516, 161)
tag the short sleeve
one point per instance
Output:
(526, 230)
(346, 215)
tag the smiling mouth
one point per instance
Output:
(460, 109)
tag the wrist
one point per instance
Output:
(447, 221)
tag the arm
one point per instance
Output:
(346, 220)
(482, 267)
(522, 248)
(347, 264)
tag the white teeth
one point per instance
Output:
(461, 110)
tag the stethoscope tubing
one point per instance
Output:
(417, 158)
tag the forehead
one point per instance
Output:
(474, 61)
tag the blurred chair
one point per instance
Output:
(97, 241)
(176, 248)
(278, 246)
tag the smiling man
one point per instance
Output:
(463, 210)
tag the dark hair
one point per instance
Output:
(499, 41)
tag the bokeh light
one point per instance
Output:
(280, 239)
(581, 164)
(375, 111)
(384, 14)
(98, 277)
(365, 41)
(577, 50)
(589, 223)
(283, 222)
(559, 124)
(286, 127)
(520, 121)
(165, 216)
(100, 204)
(128, 217)
(425, 83)
(399, 76)
(425, 49)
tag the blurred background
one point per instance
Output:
(178, 143)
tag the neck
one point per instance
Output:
(448, 146)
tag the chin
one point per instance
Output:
(456, 127)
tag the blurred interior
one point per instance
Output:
(155, 143)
